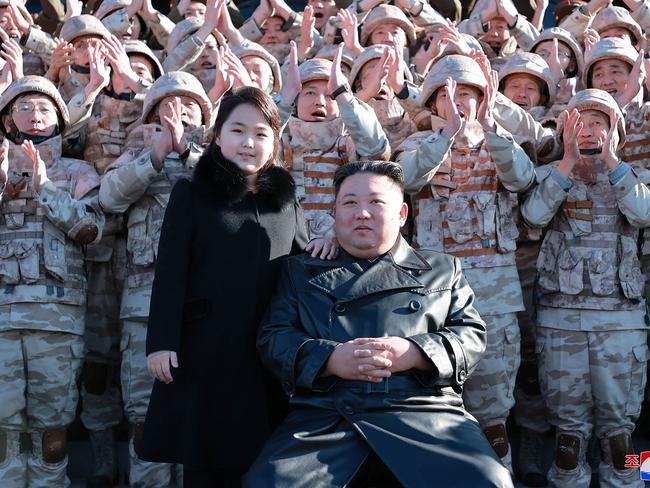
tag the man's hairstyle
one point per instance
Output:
(382, 168)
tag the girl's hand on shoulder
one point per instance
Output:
(158, 365)
(323, 247)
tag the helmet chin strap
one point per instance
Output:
(19, 137)
(80, 69)
(591, 152)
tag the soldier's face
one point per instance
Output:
(259, 71)
(386, 34)
(81, 51)
(33, 114)
(314, 103)
(619, 32)
(323, 10)
(365, 76)
(247, 139)
(543, 49)
(133, 32)
(142, 66)
(191, 115)
(208, 57)
(7, 23)
(524, 90)
(594, 130)
(196, 10)
(273, 33)
(369, 212)
(497, 33)
(610, 75)
(467, 99)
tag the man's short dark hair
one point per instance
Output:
(382, 168)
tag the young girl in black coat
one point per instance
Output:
(223, 237)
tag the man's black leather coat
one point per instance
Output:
(414, 421)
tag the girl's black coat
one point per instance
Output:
(217, 265)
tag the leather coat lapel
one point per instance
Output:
(347, 281)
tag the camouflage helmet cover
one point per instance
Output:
(254, 49)
(35, 84)
(315, 69)
(139, 47)
(530, 64)
(599, 100)
(612, 17)
(177, 83)
(567, 38)
(81, 26)
(370, 53)
(107, 7)
(386, 14)
(181, 31)
(609, 48)
(463, 69)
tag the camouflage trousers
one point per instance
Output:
(137, 384)
(489, 391)
(100, 391)
(38, 396)
(592, 382)
(530, 410)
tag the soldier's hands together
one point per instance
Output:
(39, 171)
(453, 117)
(158, 364)
(485, 114)
(612, 140)
(572, 127)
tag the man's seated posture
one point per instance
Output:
(373, 349)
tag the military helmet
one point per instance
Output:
(611, 17)
(181, 31)
(530, 64)
(315, 69)
(462, 69)
(562, 35)
(139, 47)
(81, 26)
(177, 83)
(370, 53)
(107, 7)
(386, 14)
(328, 51)
(599, 100)
(254, 49)
(610, 48)
(35, 84)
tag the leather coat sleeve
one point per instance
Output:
(289, 351)
(456, 349)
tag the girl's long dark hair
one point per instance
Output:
(262, 102)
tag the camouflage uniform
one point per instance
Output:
(463, 206)
(42, 308)
(394, 119)
(591, 334)
(313, 151)
(132, 186)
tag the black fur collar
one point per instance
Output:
(228, 183)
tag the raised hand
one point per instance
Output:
(554, 61)
(306, 42)
(100, 73)
(350, 31)
(450, 34)
(572, 127)
(485, 114)
(119, 60)
(12, 53)
(292, 85)
(236, 68)
(396, 67)
(635, 82)
(4, 162)
(39, 171)
(17, 16)
(452, 116)
(610, 146)
(61, 58)
(483, 62)
(223, 80)
(337, 78)
(73, 8)
(425, 56)
(175, 124)
(590, 38)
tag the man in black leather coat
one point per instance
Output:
(373, 349)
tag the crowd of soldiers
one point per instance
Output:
(525, 151)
